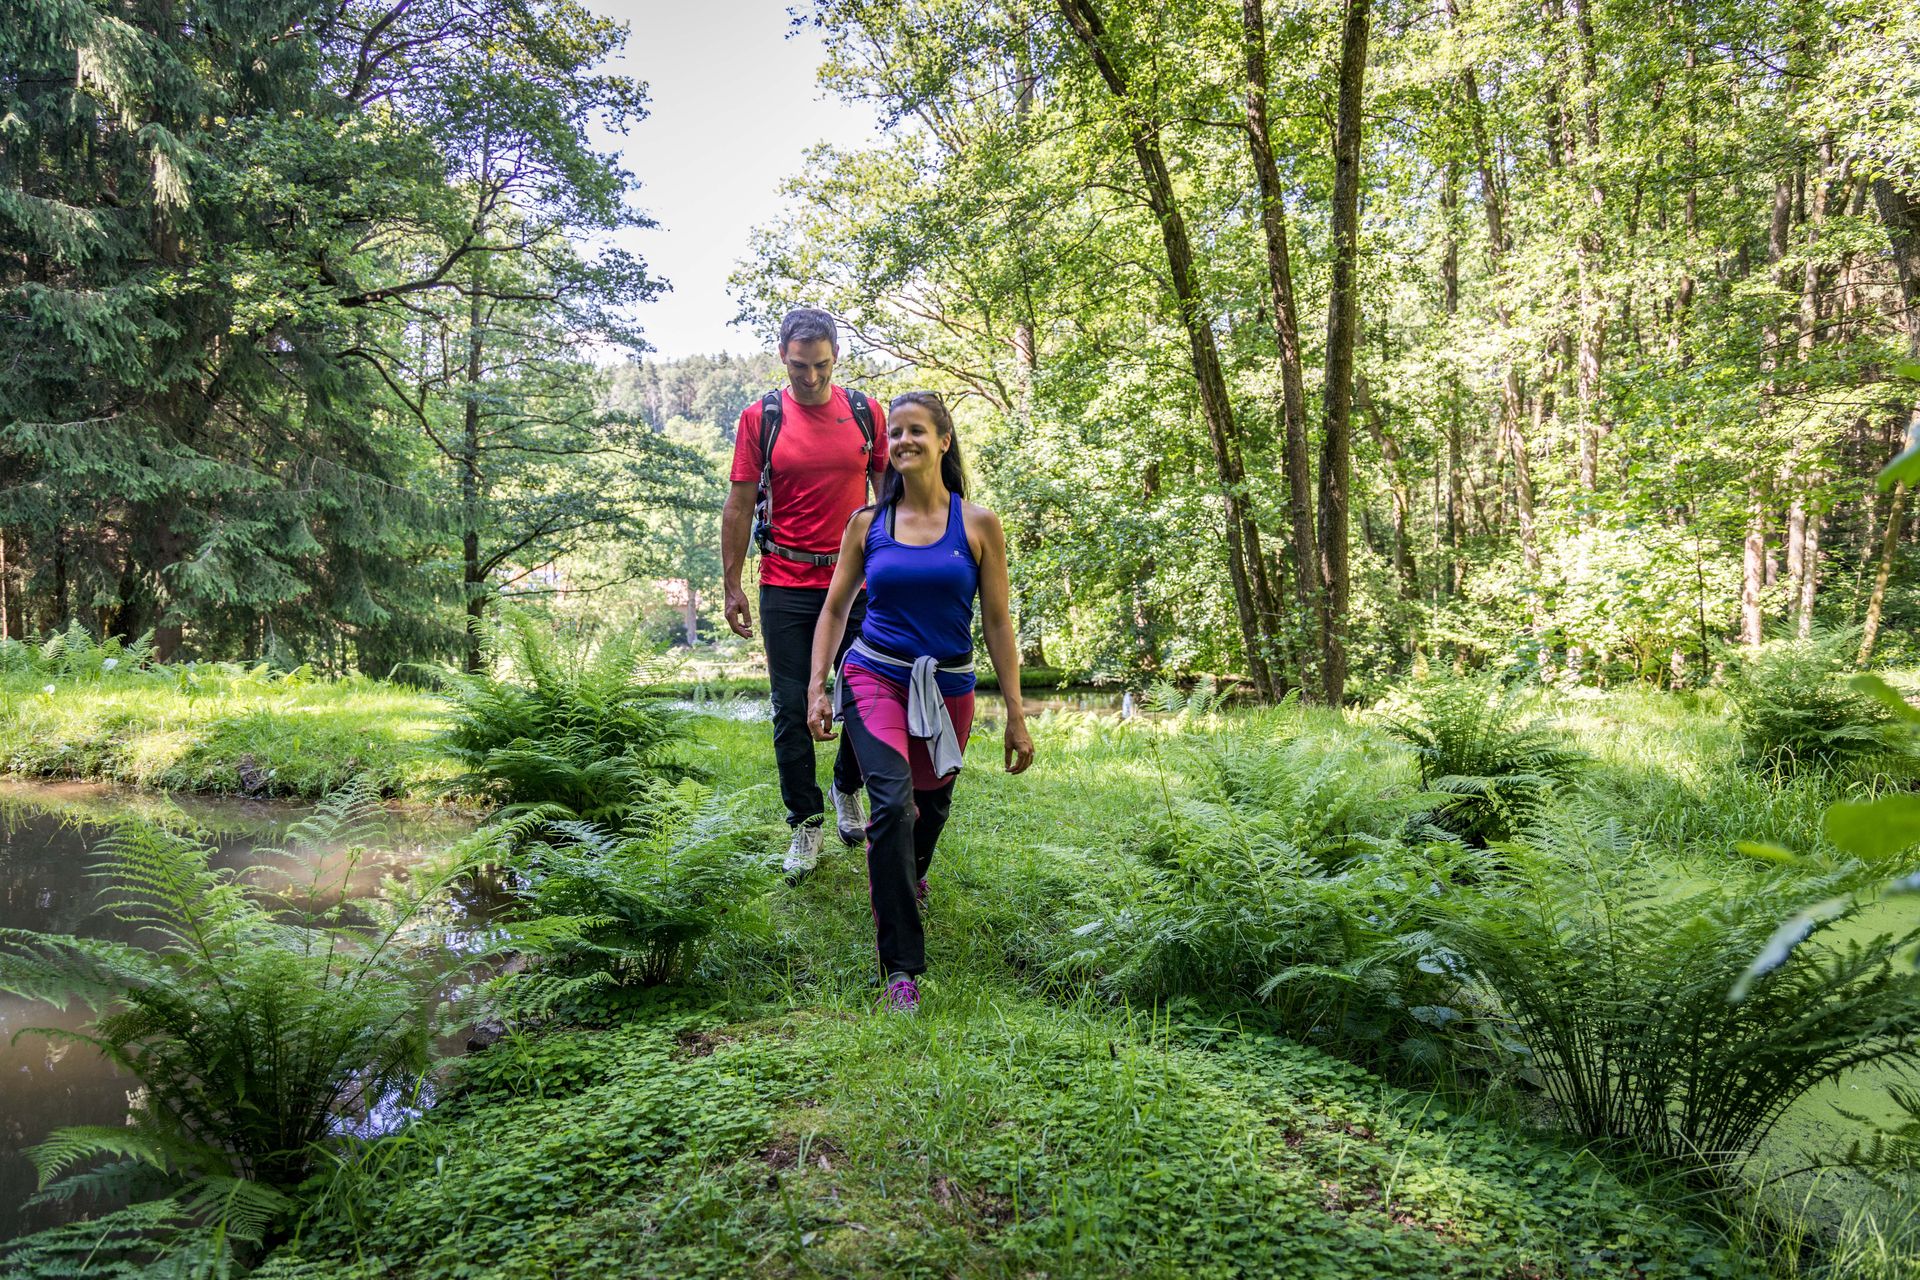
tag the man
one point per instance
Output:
(827, 444)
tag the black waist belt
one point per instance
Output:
(802, 557)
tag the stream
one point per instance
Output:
(47, 834)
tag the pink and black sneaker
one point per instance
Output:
(903, 996)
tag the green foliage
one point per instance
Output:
(586, 729)
(1615, 971)
(252, 1028)
(1475, 743)
(1281, 877)
(994, 1137)
(220, 727)
(152, 1240)
(681, 868)
(74, 654)
(1796, 708)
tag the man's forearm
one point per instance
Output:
(734, 529)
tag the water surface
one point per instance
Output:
(48, 832)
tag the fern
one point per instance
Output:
(1475, 745)
(637, 904)
(1282, 878)
(1796, 710)
(251, 1027)
(1617, 980)
(586, 729)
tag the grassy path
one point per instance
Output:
(775, 1124)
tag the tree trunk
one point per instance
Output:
(1889, 542)
(1900, 213)
(1343, 316)
(1286, 327)
(1389, 447)
(1512, 397)
(1796, 550)
(1753, 569)
(1252, 592)
(473, 581)
(1810, 573)
(61, 614)
(1454, 575)
(1591, 263)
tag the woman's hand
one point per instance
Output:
(1019, 744)
(819, 713)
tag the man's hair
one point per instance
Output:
(809, 324)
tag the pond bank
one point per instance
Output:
(222, 731)
(49, 833)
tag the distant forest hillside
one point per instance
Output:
(704, 389)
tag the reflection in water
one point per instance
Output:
(47, 834)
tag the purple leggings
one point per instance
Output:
(909, 808)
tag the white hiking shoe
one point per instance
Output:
(803, 855)
(848, 816)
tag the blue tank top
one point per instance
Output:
(920, 599)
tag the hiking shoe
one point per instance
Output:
(847, 816)
(803, 855)
(903, 996)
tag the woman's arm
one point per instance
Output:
(996, 621)
(848, 574)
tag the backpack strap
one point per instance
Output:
(770, 415)
(863, 414)
(771, 411)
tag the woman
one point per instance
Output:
(906, 687)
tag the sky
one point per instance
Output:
(733, 108)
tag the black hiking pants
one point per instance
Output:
(787, 618)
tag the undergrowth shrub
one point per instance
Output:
(634, 905)
(1283, 878)
(251, 1023)
(74, 654)
(587, 728)
(1616, 970)
(1476, 745)
(1795, 708)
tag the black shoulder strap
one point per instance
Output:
(770, 413)
(862, 414)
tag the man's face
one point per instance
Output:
(809, 364)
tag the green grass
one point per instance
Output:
(765, 1119)
(995, 1136)
(221, 729)
(770, 1122)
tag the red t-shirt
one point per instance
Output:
(819, 478)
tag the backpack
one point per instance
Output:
(770, 415)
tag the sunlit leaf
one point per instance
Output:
(1882, 692)
(1875, 829)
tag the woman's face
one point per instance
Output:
(913, 441)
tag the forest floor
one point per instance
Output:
(768, 1120)
(775, 1123)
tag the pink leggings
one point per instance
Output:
(909, 808)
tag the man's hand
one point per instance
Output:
(739, 613)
